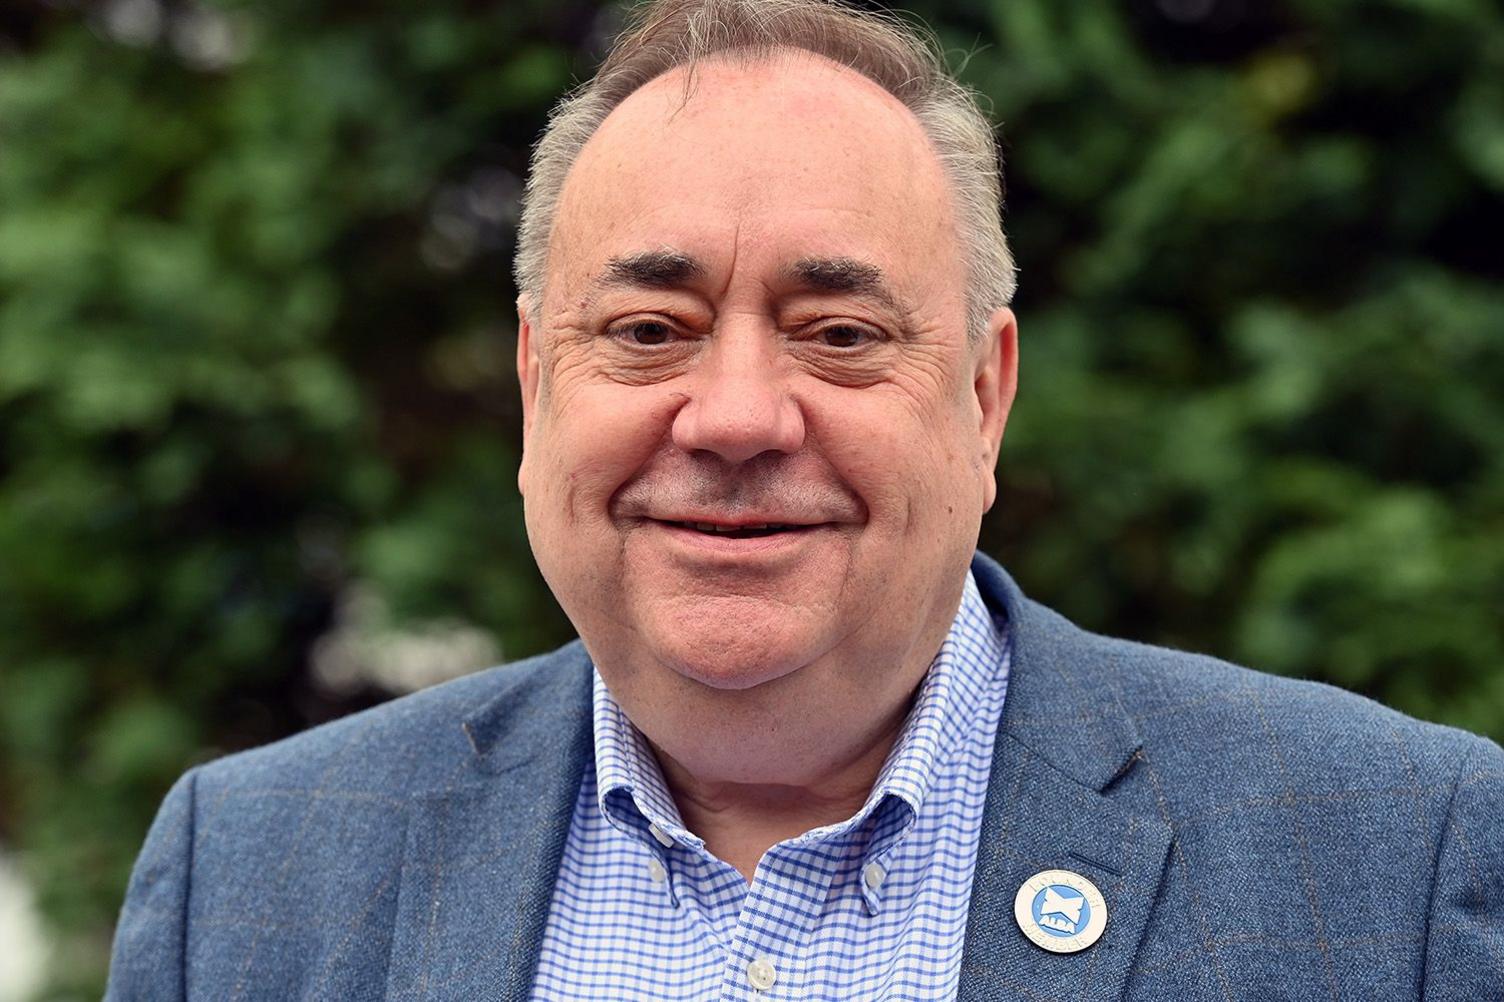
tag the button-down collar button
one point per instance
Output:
(761, 974)
(662, 836)
(656, 873)
(873, 875)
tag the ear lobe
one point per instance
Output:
(995, 381)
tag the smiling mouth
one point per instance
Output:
(754, 531)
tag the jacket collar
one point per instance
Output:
(482, 851)
(1065, 750)
(1059, 688)
(543, 703)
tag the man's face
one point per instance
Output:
(758, 444)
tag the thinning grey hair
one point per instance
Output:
(906, 61)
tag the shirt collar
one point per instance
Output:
(947, 704)
(628, 775)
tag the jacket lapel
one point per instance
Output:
(1065, 747)
(481, 855)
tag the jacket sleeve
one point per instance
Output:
(1465, 933)
(148, 962)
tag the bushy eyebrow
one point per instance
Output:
(843, 275)
(658, 269)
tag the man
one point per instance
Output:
(810, 746)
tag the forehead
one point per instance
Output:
(759, 163)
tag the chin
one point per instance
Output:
(732, 666)
(725, 653)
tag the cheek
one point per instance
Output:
(592, 440)
(911, 464)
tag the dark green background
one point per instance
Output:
(256, 335)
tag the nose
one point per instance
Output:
(739, 405)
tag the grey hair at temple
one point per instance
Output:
(667, 34)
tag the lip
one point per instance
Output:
(739, 545)
(737, 521)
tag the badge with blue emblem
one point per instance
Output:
(1060, 911)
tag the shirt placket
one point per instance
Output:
(768, 954)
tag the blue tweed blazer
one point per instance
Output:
(1254, 838)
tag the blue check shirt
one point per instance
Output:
(872, 908)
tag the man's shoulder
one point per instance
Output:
(1230, 727)
(412, 744)
(308, 859)
(1289, 813)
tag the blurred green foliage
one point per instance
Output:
(255, 337)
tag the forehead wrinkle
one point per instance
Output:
(613, 178)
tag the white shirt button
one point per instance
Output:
(874, 875)
(663, 837)
(656, 873)
(761, 974)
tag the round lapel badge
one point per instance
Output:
(1060, 911)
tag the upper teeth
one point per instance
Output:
(712, 527)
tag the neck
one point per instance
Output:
(741, 821)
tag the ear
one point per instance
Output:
(995, 380)
(527, 377)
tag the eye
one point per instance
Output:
(845, 336)
(645, 332)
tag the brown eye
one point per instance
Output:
(845, 336)
(645, 332)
